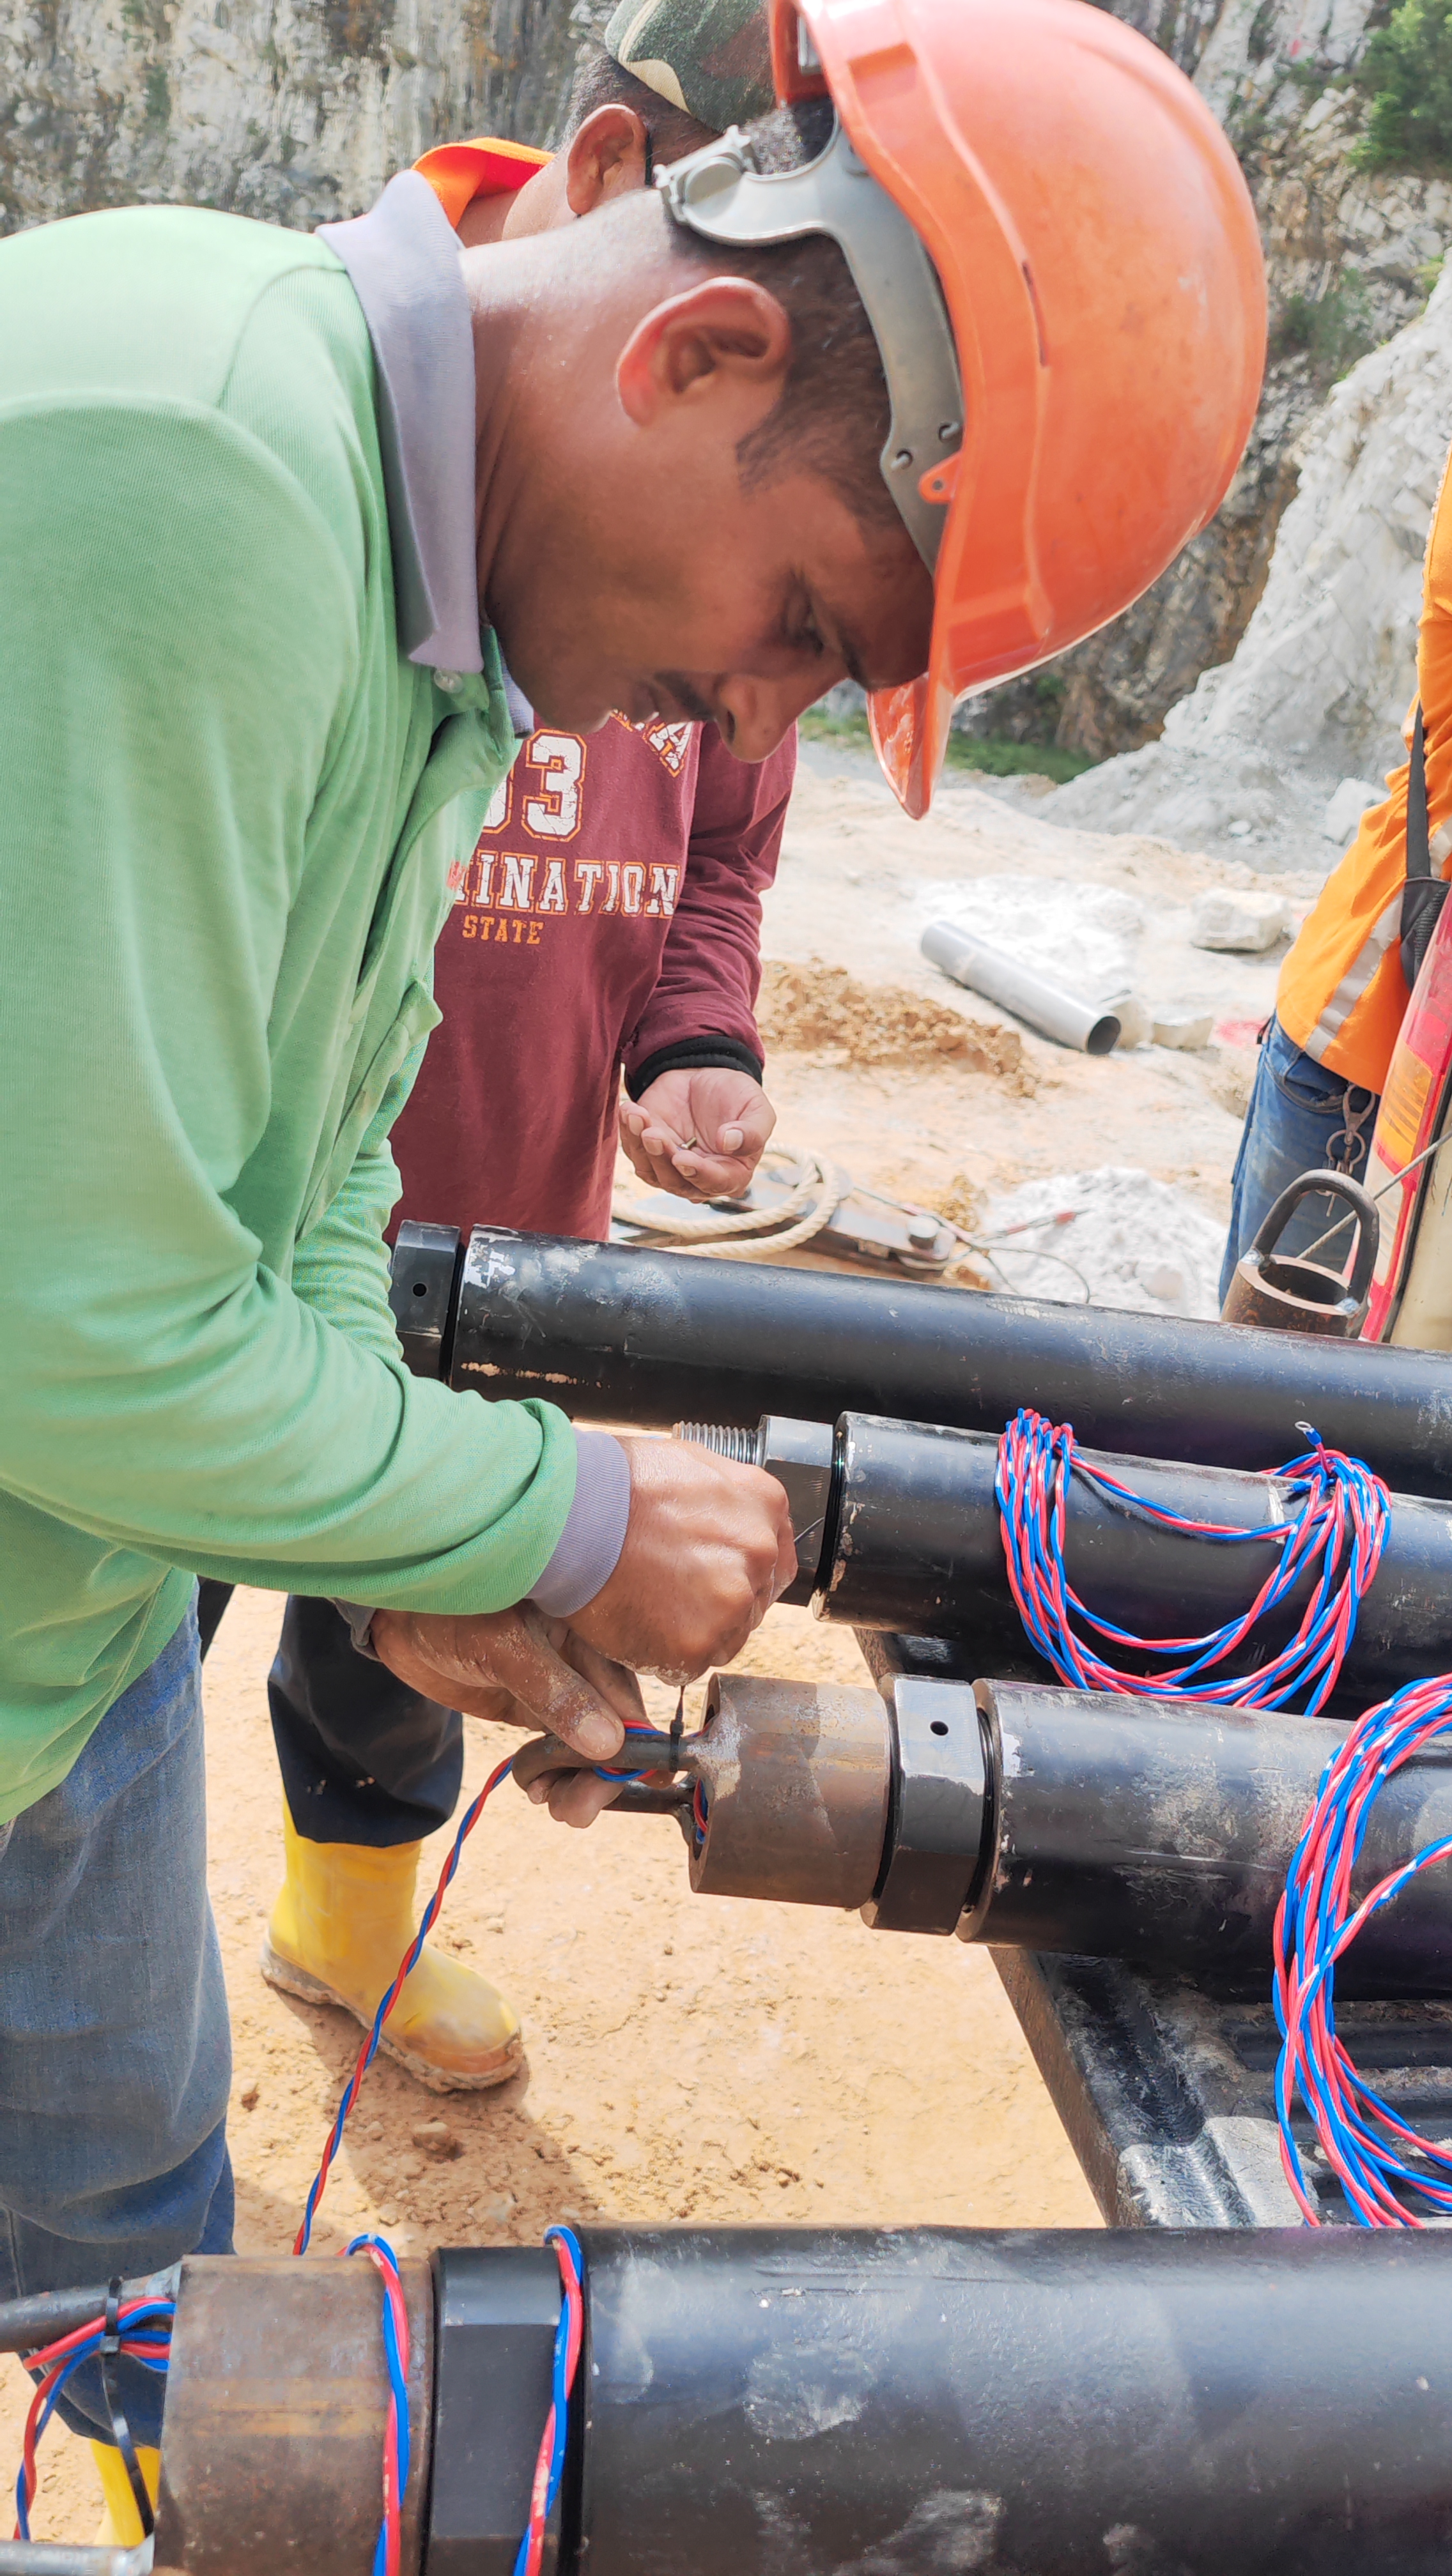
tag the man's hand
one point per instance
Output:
(572, 1797)
(708, 1547)
(698, 1132)
(514, 1666)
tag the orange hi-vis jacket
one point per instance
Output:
(1342, 994)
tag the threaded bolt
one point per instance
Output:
(722, 1439)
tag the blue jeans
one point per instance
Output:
(115, 2056)
(1301, 1119)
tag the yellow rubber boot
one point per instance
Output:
(338, 1931)
(121, 2523)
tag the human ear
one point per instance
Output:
(726, 336)
(607, 157)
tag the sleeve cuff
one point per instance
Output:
(589, 1545)
(586, 1552)
(713, 1049)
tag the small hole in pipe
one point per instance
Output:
(938, 1726)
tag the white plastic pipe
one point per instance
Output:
(1015, 987)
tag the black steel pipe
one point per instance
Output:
(1031, 1818)
(1161, 1835)
(912, 1543)
(1063, 2404)
(617, 1334)
(857, 2402)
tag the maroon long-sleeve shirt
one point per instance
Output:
(610, 917)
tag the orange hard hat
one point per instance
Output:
(1095, 246)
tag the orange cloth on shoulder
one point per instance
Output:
(485, 167)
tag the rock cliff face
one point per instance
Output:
(1350, 258)
(298, 110)
(1316, 694)
(295, 110)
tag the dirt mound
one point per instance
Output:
(807, 1008)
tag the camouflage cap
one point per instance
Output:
(710, 57)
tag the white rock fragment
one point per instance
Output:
(1165, 1280)
(1183, 1025)
(1134, 1017)
(1353, 798)
(1235, 917)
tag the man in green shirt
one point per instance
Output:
(271, 511)
(265, 505)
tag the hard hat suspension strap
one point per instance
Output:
(719, 195)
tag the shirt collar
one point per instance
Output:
(402, 260)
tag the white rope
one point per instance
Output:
(815, 1190)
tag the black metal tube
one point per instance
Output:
(1161, 1835)
(27, 2324)
(615, 1334)
(913, 1544)
(1059, 2404)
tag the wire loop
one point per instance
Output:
(1339, 1517)
(1364, 2139)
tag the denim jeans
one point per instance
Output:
(363, 1758)
(1301, 1119)
(115, 2057)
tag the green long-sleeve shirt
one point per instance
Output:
(224, 854)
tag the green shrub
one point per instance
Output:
(1334, 329)
(1015, 759)
(1407, 67)
(996, 759)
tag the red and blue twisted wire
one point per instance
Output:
(56, 2362)
(1336, 1533)
(569, 2334)
(145, 2331)
(395, 2476)
(1366, 2143)
(397, 2354)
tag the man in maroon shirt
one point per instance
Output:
(607, 921)
(610, 916)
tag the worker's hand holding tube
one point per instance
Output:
(708, 1547)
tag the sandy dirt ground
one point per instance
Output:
(690, 2058)
(853, 890)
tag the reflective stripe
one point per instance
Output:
(1355, 981)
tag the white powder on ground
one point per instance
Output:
(1133, 1240)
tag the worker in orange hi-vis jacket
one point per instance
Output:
(1343, 991)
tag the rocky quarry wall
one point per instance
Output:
(1277, 752)
(1350, 256)
(294, 110)
(298, 110)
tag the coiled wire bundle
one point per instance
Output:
(1366, 2142)
(1336, 1531)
